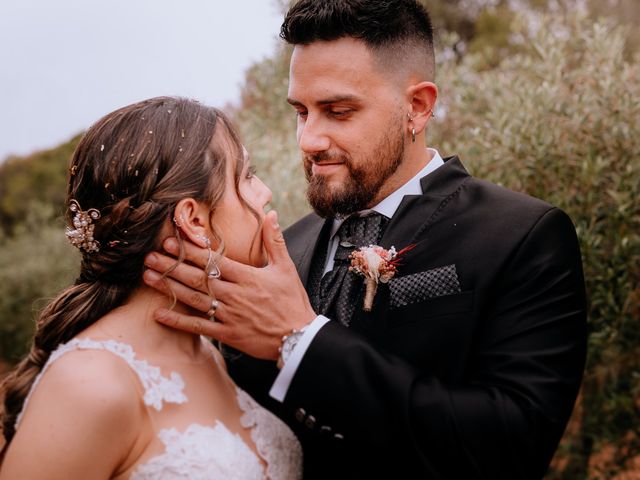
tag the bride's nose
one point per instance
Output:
(265, 194)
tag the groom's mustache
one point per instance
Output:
(324, 158)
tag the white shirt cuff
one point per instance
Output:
(283, 380)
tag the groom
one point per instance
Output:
(468, 364)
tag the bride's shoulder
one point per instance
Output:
(84, 402)
(88, 383)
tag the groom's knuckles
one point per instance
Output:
(199, 301)
(233, 271)
(190, 276)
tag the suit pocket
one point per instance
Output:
(417, 287)
(446, 306)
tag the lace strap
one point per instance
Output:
(157, 388)
(276, 444)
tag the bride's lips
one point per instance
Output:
(325, 168)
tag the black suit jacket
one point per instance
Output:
(474, 384)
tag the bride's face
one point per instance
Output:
(234, 221)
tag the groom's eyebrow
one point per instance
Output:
(326, 101)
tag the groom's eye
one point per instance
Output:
(341, 112)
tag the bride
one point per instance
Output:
(107, 392)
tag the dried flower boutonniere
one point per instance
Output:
(376, 265)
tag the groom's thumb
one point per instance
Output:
(273, 239)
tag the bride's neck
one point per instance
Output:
(134, 321)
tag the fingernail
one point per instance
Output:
(150, 260)
(171, 245)
(274, 220)
(151, 276)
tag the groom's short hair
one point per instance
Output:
(398, 32)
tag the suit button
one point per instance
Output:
(310, 422)
(325, 430)
(300, 415)
(338, 436)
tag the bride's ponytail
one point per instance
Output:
(132, 167)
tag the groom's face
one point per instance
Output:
(350, 124)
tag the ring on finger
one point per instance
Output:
(211, 313)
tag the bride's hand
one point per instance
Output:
(255, 306)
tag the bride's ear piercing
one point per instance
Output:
(178, 224)
(204, 239)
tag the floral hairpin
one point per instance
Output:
(82, 236)
(376, 265)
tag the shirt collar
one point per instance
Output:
(390, 204)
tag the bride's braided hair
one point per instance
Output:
(133, 165)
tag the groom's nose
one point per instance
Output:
(312, 137)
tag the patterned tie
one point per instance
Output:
(339, 289)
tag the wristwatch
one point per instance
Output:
(289, 342)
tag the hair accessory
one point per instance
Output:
(82, 235)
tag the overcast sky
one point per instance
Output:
(65, 63)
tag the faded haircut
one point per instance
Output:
(398, 32)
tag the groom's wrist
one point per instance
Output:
(289, 343)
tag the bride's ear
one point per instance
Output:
(192, 218)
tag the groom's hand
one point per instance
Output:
(256, 306)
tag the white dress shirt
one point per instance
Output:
(386, 207)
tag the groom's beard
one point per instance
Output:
(362, 183)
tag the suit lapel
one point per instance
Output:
(416, 212)
(302, 240)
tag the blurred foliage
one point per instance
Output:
(35, 264)
(267, 125)
(38, 179)
(542, 96)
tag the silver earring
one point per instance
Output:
(211, 269)
(178, 224)
(413, 129)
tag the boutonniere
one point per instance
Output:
(376, 265)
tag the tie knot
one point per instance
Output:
(359, 231)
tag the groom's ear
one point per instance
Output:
(192, 219)
(422, 98)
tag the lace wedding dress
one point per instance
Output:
(201, 451)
